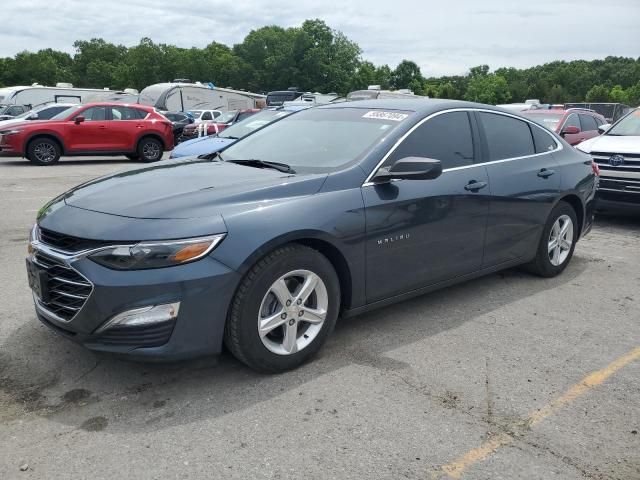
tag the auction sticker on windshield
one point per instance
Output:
(380, 115)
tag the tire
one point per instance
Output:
(133, 157)
(44, 151)
(276, 349)
(150, 149)
(551, 262)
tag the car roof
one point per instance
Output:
(423, 106)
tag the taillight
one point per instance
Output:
(595, 167)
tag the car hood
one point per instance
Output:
(191, 188)
(200, 146)
(611, 144)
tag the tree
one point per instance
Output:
(479, 71)
(488, 88)
(406, 73)
(598, 93)
(618, 95)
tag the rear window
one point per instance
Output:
(507, 137)
(542, 140)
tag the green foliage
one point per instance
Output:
(488, 88)
(315, 57)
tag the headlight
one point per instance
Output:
(6, 133)
(146, 255)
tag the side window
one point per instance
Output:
(542, 140)
(507, 137)
(598, 121)
(572, 121)
(94, 114)
(16, 110)
(140, 114)
(242, 116)
(47, 113)
(124, 113)
(206, 116)
(588, 123)
(216, 114)
(445, 137)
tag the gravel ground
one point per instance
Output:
(491, 379)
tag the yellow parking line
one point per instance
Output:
(456, 468)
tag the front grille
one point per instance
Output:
(67, 242)
(138, 336)
(631, 162)
(68, 290)
(620, 184)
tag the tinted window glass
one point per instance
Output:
(94, 114)
(507, 137)
(207, 116)
(446, 137)
(47, 113)
(243, 115)
(543, 141)
(588, 123)
(598, 121)
(15, 110)
(124, 113)
(572, 121)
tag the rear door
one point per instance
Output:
(124, 127)
(588, 125)
(92, 135)
(525, 181)
(421, 232)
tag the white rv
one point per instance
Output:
(36, 95)
(182, 97)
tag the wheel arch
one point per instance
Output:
(153, 135)
(577, 205)
(56, 138)
(319, 241)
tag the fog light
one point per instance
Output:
(143, 316)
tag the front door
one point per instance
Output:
(421, 232)
(91, 135)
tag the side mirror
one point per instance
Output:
(570, 130)
(604, 128)
(410, 168)
(79, 119)
(32, 116)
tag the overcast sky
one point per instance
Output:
(443, 37)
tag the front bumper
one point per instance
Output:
(204, 289)
(625, 203)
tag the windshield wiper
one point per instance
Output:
(254, 162)
(211, 156)
(229, 137)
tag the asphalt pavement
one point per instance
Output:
(506, 377)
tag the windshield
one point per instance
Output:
(627, 126)
(548, 120)
(241, 129)
(318, 140)
(226, 117)
(65, 113)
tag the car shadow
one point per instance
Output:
(47, 375)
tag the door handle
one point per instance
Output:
(544, 173)
(474, 186)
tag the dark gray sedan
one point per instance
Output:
(330, 212)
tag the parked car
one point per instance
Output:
(45, 112)
(337, 209)
(179, 120)
(223, 121)
(575, 125)
(137, 131)
(612, 112)
(200, 116)
(214, 143)
(617, 153)
(7, 112)
(277, 98)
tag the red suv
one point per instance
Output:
(574, 124)
(137, 131)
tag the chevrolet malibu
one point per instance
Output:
(330, 212)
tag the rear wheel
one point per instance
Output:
(284, 309)
(43, 151)
(150, 149)
(558, 242)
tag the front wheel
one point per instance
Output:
(558, 242)
(43, 151)
(150, 149)
(284, 309)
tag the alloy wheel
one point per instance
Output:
(151, 150)
(293, 312)
(45, 152)
(560, 240)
